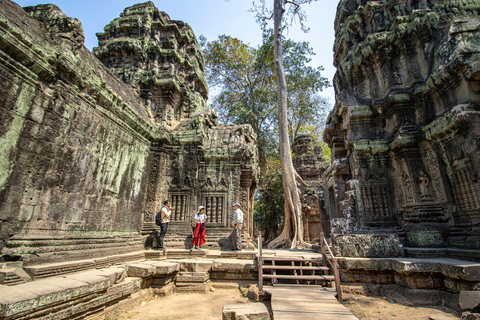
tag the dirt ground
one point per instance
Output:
(183, 306)
(370, 308)
(209, 307)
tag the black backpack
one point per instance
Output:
(158, 217)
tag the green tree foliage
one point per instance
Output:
(244, 86)
(269, 200)
(244, 81)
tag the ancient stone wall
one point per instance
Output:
(86, 158)
(74, 139)
(309, 162)
(404, 130)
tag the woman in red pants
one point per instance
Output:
(199, 236)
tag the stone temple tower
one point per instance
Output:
(158, 56)
(196, 161)
(404, 131)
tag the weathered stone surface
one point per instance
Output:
(163, 280)
(163, 290)
(13, 276)
(54, 269)
(70, 156)
(196, 265)
(247, 255)
(469, 300)
(193, 287)
(185, 254)
(151, 268)
(165, 267)
(368, 246)
(470, 316)
(309, 162)
(38, 295)
(445, 274)
(191, 277)
(236, 266)
(234, 276)
(404, 129)
(90, 150)
(142, 270)
(245, 311)
(155, 255)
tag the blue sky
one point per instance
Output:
(212, 18)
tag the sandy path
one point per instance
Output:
(179, 306)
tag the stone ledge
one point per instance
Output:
(195, 265)
(188, 277)
(151, 268)
(42, 294)
(195, 287)
(56, 269)
(247, 255)
(227, 265)
(185, 253)
(453, 268)
(452, 253)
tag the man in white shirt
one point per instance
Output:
(166, 214)
(238, 225)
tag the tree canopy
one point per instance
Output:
(245, 89)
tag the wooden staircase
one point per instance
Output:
(299, 271)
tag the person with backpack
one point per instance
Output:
(162, 219)
(199, 235)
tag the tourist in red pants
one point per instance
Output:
(199, 236)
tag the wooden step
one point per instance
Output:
(305, 268)
(294, 277)
(288, 259)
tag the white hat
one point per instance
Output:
(200, 208)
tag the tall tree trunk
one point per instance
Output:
(292, 234)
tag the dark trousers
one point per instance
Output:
(237, 238)
(163, 231)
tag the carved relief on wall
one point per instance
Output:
(408, 188)
(465, 185)
(432, 165)
(424, 186)
(152, 187)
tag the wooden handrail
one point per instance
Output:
(334, 265)
(260, 264)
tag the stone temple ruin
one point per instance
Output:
(404, 129)
(91, 144)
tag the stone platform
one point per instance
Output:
(94, 288)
